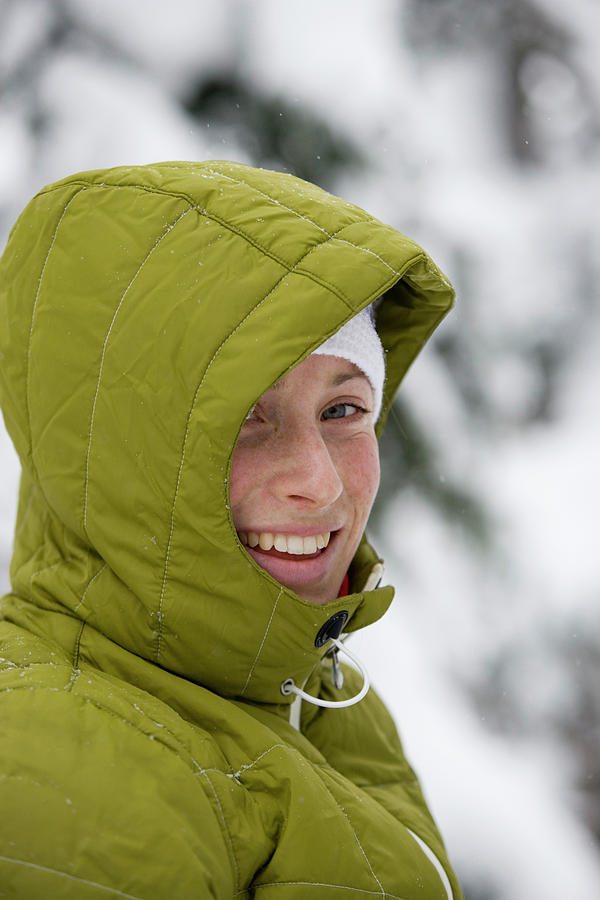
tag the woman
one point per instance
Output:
(192, 388)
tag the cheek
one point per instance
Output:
(363, 473)
(241, 475)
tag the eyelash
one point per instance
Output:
(359, 409)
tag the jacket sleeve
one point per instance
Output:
(102, 810)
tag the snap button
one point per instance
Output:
(332, 628)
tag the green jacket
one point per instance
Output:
(146, 749)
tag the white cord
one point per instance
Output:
(289, 687)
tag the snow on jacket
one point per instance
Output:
(146, 749)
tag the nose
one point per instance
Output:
(306, 472)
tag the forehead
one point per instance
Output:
(321, 371)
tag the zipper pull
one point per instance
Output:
(337, 676)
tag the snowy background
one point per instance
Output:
(474, 128)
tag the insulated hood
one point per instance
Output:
(144, 311)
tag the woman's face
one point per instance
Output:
(304, 475)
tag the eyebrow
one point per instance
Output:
(336, 381)
(348, 376)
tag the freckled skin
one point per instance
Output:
(307, 461)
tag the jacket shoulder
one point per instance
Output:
(105, 791)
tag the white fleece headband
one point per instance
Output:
(358, 342)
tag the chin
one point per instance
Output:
(318, 598)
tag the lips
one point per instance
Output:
(303, 571)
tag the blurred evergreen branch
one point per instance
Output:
(274, 131)
(510, 698)
(544, 91)
(580, 725)
(409, 461)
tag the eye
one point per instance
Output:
(252, 421)
(341, 411)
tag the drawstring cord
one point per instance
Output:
(337, 676)
(289, 687)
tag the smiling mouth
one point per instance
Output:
(285, 546)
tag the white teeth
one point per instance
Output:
(293, 544)
(280, 543)
(309, 545)
(265, 540)
(286, 543)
